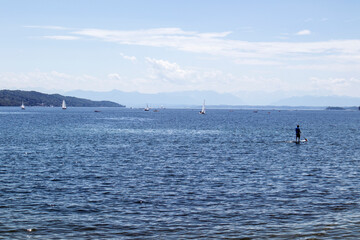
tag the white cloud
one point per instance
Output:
(256, 62)
(114, 76)
(337, 86)
(48, 27)
(167, 71)
(165, 76)
(304, 32)
(62, 37)
(130, 58)
(213, 35)
(56, 80)
(219, 45)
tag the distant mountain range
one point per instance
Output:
(319, 101)
(32, 98)
(190, 99)
(195, 98)
(171, 99)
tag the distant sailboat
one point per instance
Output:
(202, 109)
(22, 106)
(63, 105)
(147, 108)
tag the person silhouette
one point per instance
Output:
(298, 133)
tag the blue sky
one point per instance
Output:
(289, 48)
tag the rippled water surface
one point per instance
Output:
(176, 174)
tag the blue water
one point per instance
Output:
(176, 174)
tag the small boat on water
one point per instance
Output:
(147, 108)
(22, 106)
(203, 108)
(63, 106)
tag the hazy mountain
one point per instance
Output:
(319, 101)
(135, 99)
(32, 98)
(195, 98)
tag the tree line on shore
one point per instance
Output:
(33, 98)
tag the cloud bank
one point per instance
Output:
(304, 32)
(220, 44)
(162, 75)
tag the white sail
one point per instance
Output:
(203, 108)
(22, 106)
(63, 105)
(147, 108)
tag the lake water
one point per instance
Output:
(176, 174)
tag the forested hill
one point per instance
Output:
(32, 98)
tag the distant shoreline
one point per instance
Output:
(13, 98)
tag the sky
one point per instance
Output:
(262, 47)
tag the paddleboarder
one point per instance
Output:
(298, 132)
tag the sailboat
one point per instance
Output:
(147, 108)
(202, 109)
(63, 106)
(22, 106)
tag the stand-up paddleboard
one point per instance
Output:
(301, 141)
